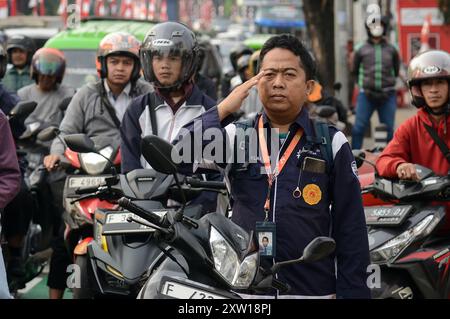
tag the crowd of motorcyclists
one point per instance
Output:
(156, 88)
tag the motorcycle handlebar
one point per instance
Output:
(149, 216)
(206, 184)
(86, 190)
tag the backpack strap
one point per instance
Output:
(150, 100)
(104, 100)
(440, 143)
(244, 125)
(323, 138)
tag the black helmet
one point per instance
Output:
(21, 42)
(170, 38)
(372, 27)
(431, 64)
(3, 61)
(237, 52)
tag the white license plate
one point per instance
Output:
(121, 218)
(179, 291)
(76, 182)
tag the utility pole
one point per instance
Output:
(342, 25)
(173, 10)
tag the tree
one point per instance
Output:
(319, 16)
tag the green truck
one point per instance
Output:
(80, 45)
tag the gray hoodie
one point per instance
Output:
(86, 114)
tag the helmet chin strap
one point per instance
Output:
(444, 110)
(168, 89)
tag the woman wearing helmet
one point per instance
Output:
(428, 81)
(47, 70)
(169, 57)
(20, 49)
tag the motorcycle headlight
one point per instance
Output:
(395, 246)
(226, 262)
(94, 164)
(99, 238)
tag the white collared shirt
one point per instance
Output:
(120, 103)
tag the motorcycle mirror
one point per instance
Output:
(80, 143)
(325, 111)
(424, 172)
(48, 134)
(317, 249)
(158, 153)
(337, 86)
(64, 103)
(359, 156)
(23, 109)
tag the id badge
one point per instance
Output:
(266, 236)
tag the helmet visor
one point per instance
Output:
(48, 66)
(149, 55)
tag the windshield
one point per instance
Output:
(80, 67)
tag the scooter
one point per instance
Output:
(120, 252)
(84, 169)
(414, 261)
(210, 257)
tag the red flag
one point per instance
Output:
(151, 10)
(62, 10)
(3, 8)
(127, 9)
(425, 34)
(100, 9)
(42, 8)
(13, 8)
(84, 6)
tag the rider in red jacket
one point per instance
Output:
(428, 81)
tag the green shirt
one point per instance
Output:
(16, 79)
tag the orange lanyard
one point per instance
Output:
(271, 176)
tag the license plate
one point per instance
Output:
(86, 181)
(120, 218)
(386, 216)
(179, 291)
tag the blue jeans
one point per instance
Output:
(4, 290)
(386, 115)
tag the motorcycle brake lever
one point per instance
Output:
(96, 194)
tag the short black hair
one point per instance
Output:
(266, 238)
(291, 43)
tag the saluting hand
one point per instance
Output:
(233, 101)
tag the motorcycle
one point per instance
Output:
(210, 257)
(413, 259)
(83, 169)
(120, 252)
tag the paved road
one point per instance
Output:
(37, 288)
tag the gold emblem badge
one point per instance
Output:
(312, 194)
